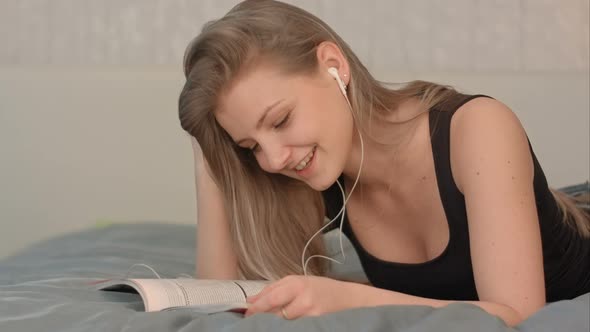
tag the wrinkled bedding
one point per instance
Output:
(46, 288)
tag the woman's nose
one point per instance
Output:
(277, 157)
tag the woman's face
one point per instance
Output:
(299, 126)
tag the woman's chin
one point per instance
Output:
(320, 184)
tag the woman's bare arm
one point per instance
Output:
(216, 258)
(493, 168)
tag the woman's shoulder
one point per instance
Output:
(485, 130)
(483, 112)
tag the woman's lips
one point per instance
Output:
(310, 165)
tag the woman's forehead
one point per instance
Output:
(258, 89)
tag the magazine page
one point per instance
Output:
(205, 295)
(238, 307)
(204, 291)
(158, 294)
(252, 287)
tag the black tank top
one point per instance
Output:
(566, 256)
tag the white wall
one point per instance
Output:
(417, 35)
(87, 145)
(88, 94)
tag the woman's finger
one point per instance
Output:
(263, 292)
(267, 289)
(275, 299)
(292, 310)
(252, 298)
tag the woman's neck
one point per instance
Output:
(391, 146)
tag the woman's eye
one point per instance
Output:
(255, 147)
(283, 121)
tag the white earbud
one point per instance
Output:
(334, 73)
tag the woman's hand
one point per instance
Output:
(297, 296)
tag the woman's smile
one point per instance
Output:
(304, 168)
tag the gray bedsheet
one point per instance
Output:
(46, 288)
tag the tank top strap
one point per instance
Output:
(440, 137)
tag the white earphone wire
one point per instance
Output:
(334, 72)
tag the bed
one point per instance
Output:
(46, 287)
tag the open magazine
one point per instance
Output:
(211, 296)
(199, 295)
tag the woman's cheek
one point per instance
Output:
(263, 164)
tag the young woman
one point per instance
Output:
(444, 198)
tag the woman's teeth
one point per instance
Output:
(304, 162)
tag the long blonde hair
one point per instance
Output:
(572, 215)
(272, 216)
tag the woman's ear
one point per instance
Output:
(330, 55)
